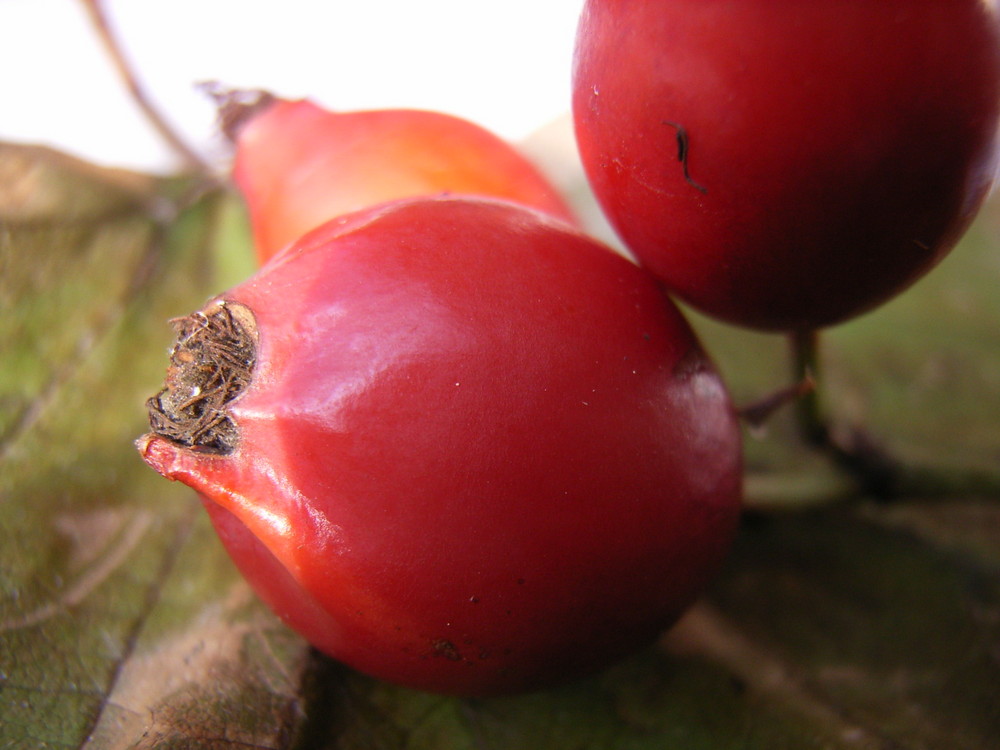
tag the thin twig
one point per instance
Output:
(191, 158)
(756, 414)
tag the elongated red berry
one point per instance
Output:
(299, 165)
(456, 444)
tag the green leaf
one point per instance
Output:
(838, 622)
(896, 632)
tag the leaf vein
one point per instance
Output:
(184, 530)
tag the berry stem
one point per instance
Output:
(806, 368)
(875, 471)
(869, 470)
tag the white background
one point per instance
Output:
(505, 65)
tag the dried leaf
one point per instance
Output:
(110, 582)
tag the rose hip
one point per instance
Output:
(298, 165)
(456, 444)
(788, 165)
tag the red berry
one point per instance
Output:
(298, 165)
(787, 165)
(456, 444)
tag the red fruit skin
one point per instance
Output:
(480, 454)
(298, 165)
(837, 150)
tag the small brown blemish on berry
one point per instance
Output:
(444, 647)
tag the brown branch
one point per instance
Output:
(113, 48)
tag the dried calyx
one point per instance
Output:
(236, 107)
(210, 365)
